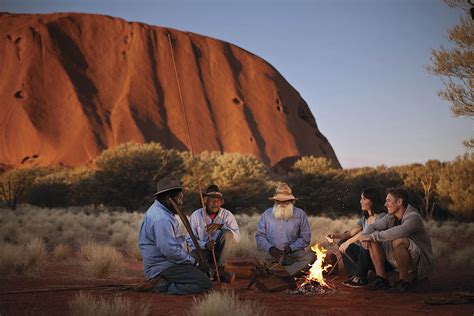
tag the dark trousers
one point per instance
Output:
(357, 261)
(224, 242)
(363, 263)
(183, 279)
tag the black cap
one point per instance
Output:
(213, 191)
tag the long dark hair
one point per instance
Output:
(374, 196)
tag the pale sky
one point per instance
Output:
(359, 64)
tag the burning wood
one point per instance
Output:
(314, 282)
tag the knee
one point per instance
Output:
(400, 244)
(371, 246)
(206, 285)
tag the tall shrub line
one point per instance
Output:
(126, 176)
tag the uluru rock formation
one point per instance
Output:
(73, 85)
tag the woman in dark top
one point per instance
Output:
(357, 259)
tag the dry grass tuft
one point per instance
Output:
(462, 259)
(228, 303)
(22, 259)
(62, 252)
(100, 261)
(88, 305)
(133, 249)
(247, 246)
(77, 226)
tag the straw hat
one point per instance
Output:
(283, 193)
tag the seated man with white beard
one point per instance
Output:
(283, 232)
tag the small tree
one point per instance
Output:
(243, 179)
(313, 165)
(64, 187)
(421, 181)
(456, 65)
(14, 184)
(128, 173)
(456, 186)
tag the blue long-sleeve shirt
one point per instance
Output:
(294, 232)
(198, 224)
(162, 241)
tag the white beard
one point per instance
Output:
(284, 212)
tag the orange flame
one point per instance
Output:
(316, 271)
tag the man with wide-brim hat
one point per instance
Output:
(283, 233)
(216, 230)
(162, 243)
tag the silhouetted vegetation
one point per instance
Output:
(454, 65)
(126, 176)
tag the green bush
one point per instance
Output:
(313, 165)
(15, 184)
(128, 173)
(322, 189)
(456, 187)
(421, 181)
(317, 193)
(243, 179)
(63, 187)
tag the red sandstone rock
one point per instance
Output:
(73, 85)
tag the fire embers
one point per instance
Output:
(314, 282)
(312, 288)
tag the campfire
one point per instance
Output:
(314, 282)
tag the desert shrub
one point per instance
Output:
(313, 165)
(11, 259)
(243, 179)
(133, 249)
(128, 173)
(456, 187)
(317, 193)
(24, 258)
(63, 187)
(15, 183)
(228, 303)
(421, 181)
(322, 189)
(462, 259)
(62, 252)
(357, 179)
(49, 192)
(246, 247)
(88, 305)
(100, 261)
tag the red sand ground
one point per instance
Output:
(344, 301)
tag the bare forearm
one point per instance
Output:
(354, 238)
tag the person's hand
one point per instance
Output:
(275, 252)
(213, 227)
(286, 250)
(210, 245)
(343, 247)
(365, 241)
(330, 238)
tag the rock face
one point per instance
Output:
(73, 85)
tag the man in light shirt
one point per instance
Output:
(216, 230)
(283, 233)
(166, 262)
